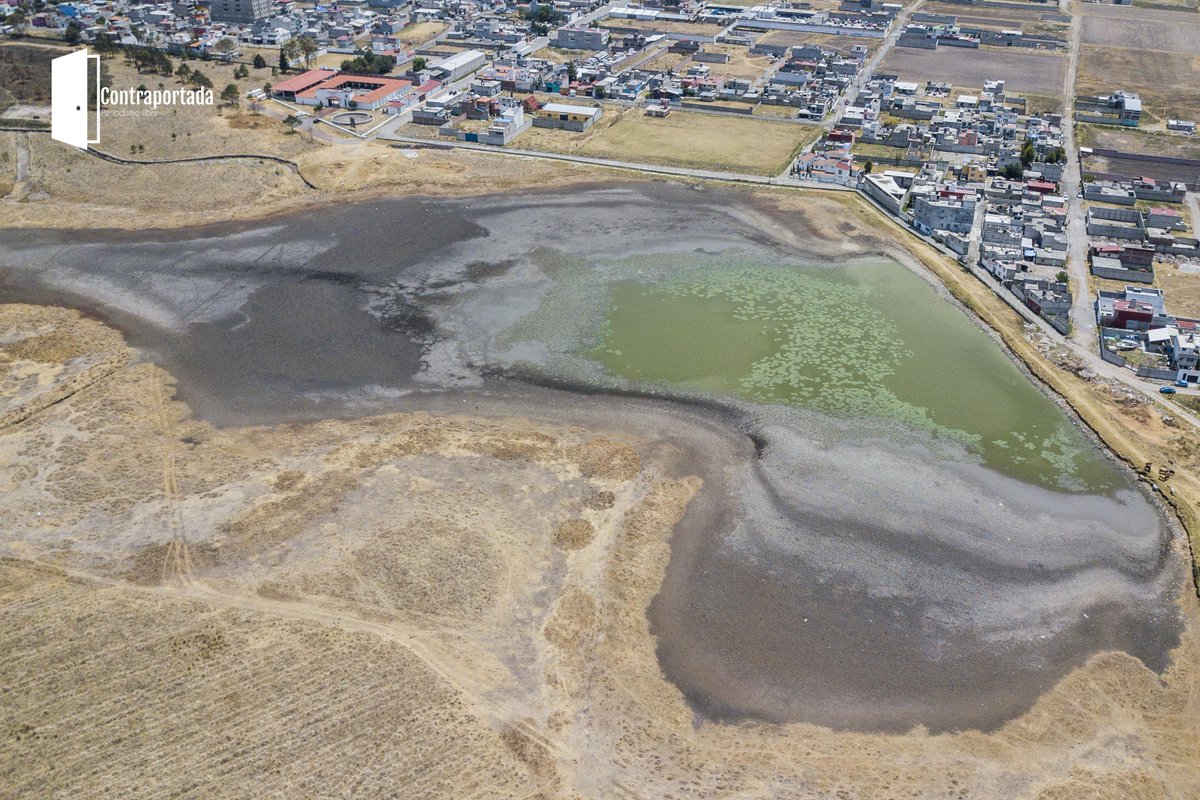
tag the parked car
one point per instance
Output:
(1181, 384)
(1167, 390)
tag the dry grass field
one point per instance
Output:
(25, 73)
(1039, 19)
(1150, 30)
(1024, 72)
(841, 44)
(559, 55)
(661, 26)
(1166, 81)
(421, 32)
(666, 61)
(740, 65)
(1137, 140)
(700, 141)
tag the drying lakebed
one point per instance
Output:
(919, 536)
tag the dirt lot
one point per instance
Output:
(740, 65)
(1024, 72)
(1182, 289)
(558, 55)
(421, 32)
(1137, 140)
(661, 26)
(1148, 30)
(1166, 83)
(665, 62)
(683, 139)
(841, 44)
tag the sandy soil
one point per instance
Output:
(419, 607)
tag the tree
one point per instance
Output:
(1062, 277)
(230, 94)
(292, 121)
(284, 64)
(18, 21)
(259, 61)
(225, 45)
(571, 73)
(418, 64)
(867, 167)
(200, 80)
(241, 73)
(71, 34)
(183, 71)
(104, 45)
(1057, 155)
(1028, 153)
(369, 64)
(307, 47)
(1012, 171)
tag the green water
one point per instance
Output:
(869, 339)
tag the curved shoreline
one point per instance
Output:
(498, 400)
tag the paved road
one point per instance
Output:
(1083, 319)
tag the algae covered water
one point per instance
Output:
(867, 339)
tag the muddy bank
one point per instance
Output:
(854, 575)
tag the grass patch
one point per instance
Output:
(698, 141)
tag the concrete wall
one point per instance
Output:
(1127, 275)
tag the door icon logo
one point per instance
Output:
(69, 99)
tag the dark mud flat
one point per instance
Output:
(852, 574)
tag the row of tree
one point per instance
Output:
(302, 49)
(369, 64)
(149, 59)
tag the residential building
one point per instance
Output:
(245, 11)
(581, 38)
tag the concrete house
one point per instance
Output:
(570, 38)
(567, 117)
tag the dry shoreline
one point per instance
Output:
(600, 719)
(1028, 753)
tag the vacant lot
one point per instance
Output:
(740, 65)
(701, 141)
(421, 32)
(664, 62)
(559, 55)
(1141, 29)
(1024, 72)
(662, 26)
(1181, 288)
(1136, 140)
(841, 44)
(1166, 83)
(1043, 19)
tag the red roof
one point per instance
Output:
(305, 80)
(379, 87)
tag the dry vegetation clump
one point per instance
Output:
(574, 533)
(605, 459)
